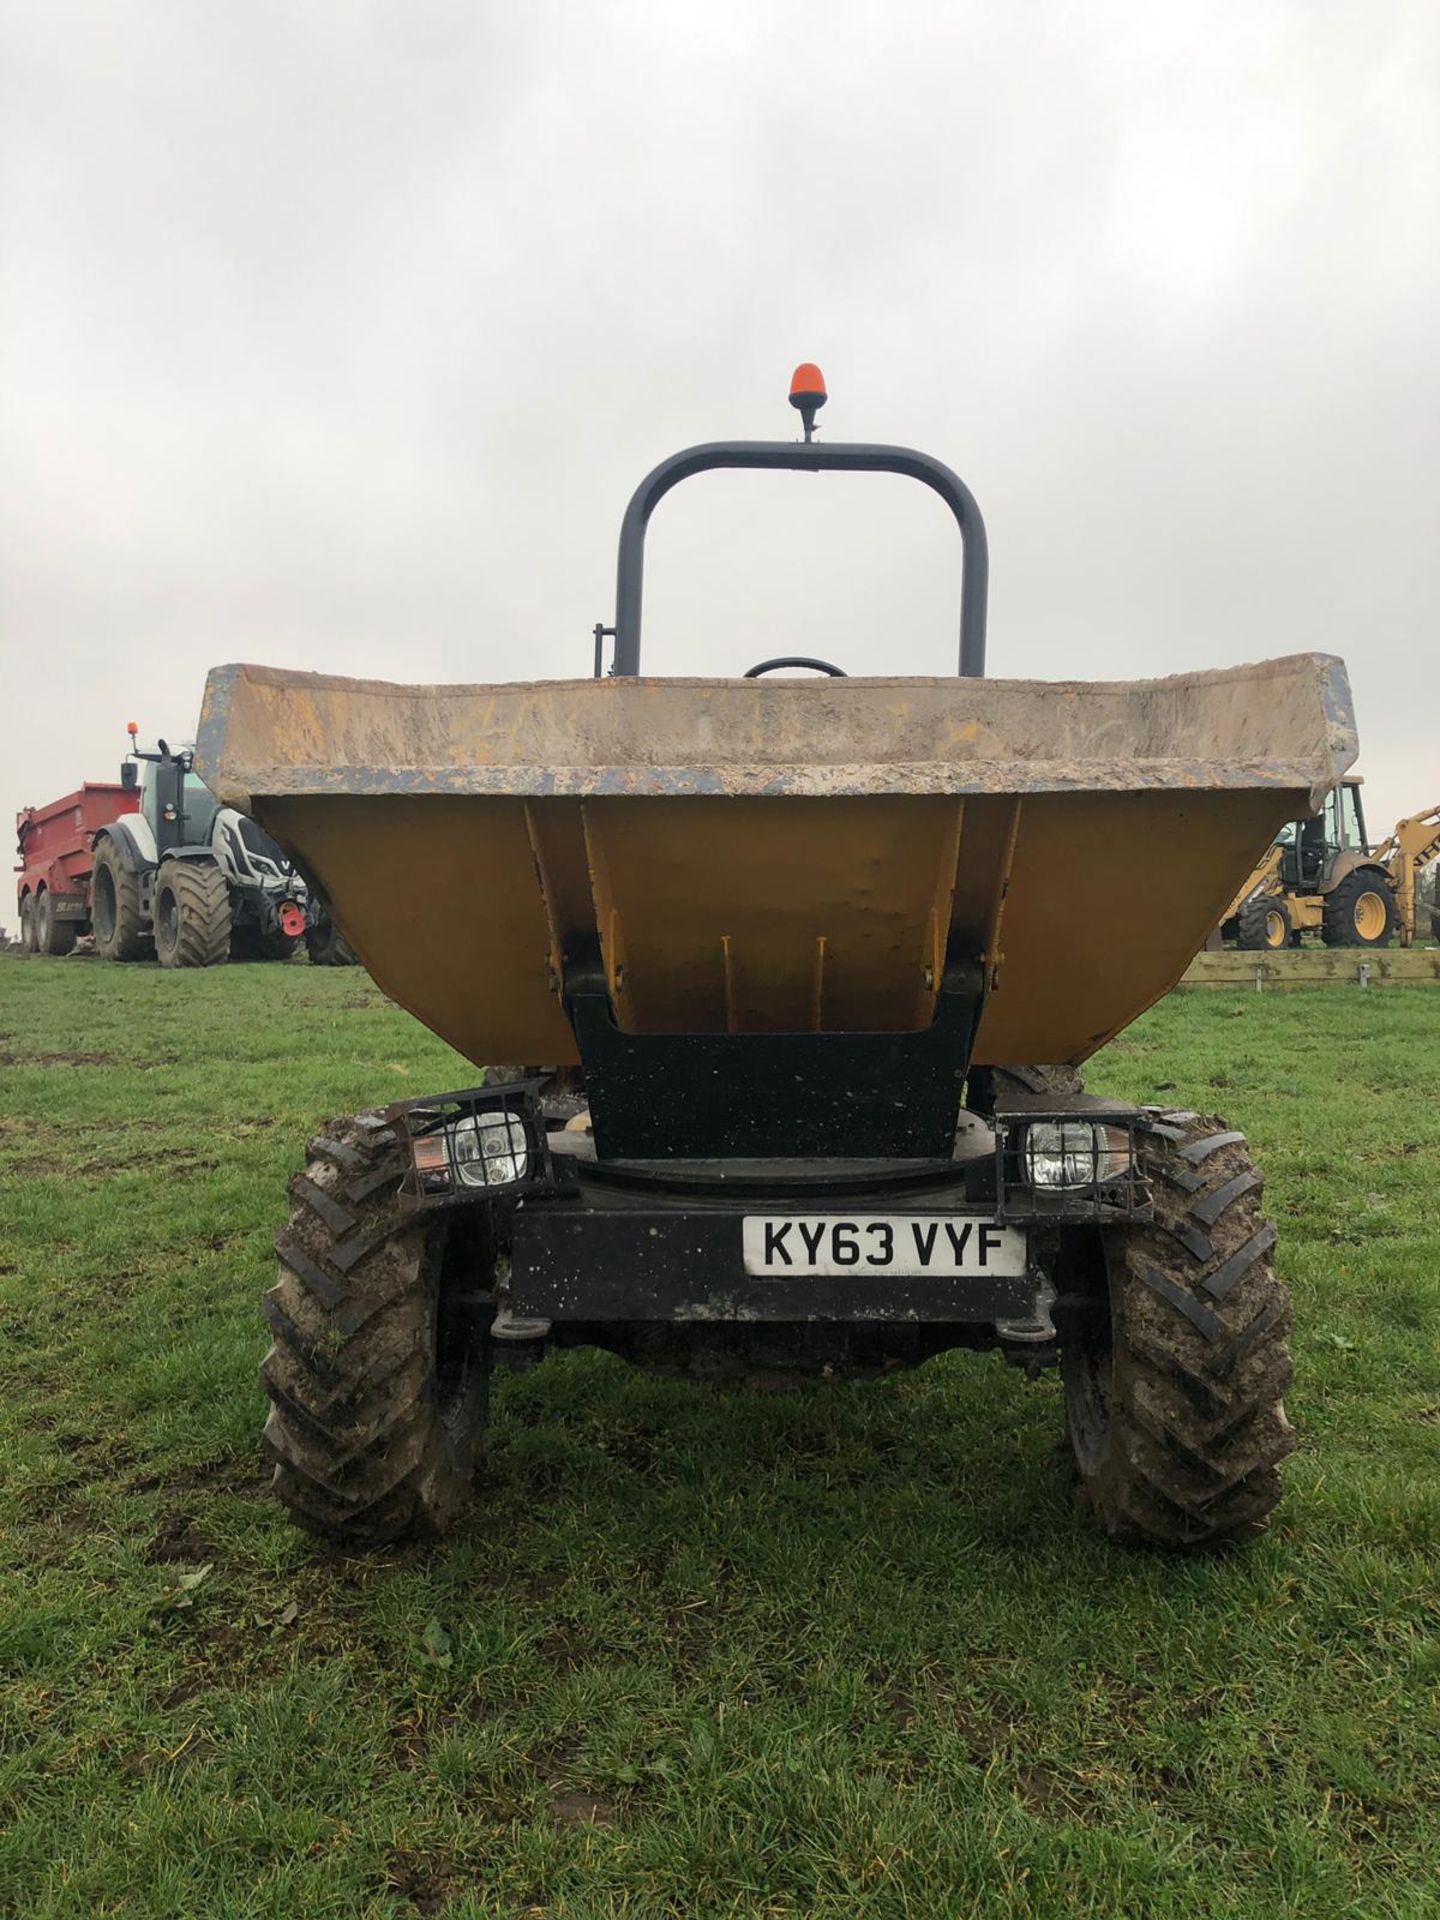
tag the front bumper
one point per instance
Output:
(594, 1241)
(570, 1261)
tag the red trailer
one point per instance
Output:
(56, 860)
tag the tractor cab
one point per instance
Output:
(175, 802)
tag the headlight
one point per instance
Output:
(1074, 1153)
(489, 1150)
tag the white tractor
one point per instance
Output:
(194, 882)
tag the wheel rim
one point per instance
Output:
(103, 910)
(1276, 931)
(1370, 916)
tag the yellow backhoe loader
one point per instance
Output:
(1322, 876)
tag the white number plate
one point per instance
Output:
(904, 1244)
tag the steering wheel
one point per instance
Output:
(796, 660)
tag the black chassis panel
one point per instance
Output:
(774, 1095)
(578, 1263)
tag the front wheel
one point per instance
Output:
(192, 914)
(1175, 1355)
(1359, 911)
(1264, 923)
(27, 924)
(377, 1380)
(994, 1089)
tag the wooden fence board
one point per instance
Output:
(1317, 967)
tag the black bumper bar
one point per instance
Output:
(579, 1263)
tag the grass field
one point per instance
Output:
(843, 1654)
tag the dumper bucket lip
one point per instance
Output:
(786, 857)
(691, 736)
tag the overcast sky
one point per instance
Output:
(335, 334)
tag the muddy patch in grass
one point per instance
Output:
(181, 1541)
(59, 1060)
(428, 1881)
(574, 1807)
(229, 1475)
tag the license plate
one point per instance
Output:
(903, 1244)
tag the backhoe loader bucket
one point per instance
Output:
(785, 856)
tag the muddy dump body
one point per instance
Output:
(794, 980)
(796, 856)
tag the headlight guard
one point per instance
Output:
(485, 1143)
(1069, 1165)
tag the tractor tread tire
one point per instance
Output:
(128, 939)
(363, 1451)
(28, 941)
(1194, 1429)
(202, 901)
(1253, 924)
(1337, 916)
(1011, 1081)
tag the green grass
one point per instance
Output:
(843, 1654)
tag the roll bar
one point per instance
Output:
(805, 457)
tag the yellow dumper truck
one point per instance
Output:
(782, 987)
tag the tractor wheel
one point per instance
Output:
(115, 907)
(52, 936)
(1174, 1354)
(377, 1382)
(328, 947)
(1264, 923)
(192, 914)
(27, 924)
(1359, 912)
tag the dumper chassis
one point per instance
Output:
(763, 1196)
(1158, 1301)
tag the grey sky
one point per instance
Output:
(335, 334)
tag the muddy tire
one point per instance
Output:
(1264, 924)
(192, 914)
(1175, 1372)
(377, 1380)
(52, 936)
(994, 1087)
(115, 907)
(1359, 911)
(27, 924)
(327, 946)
